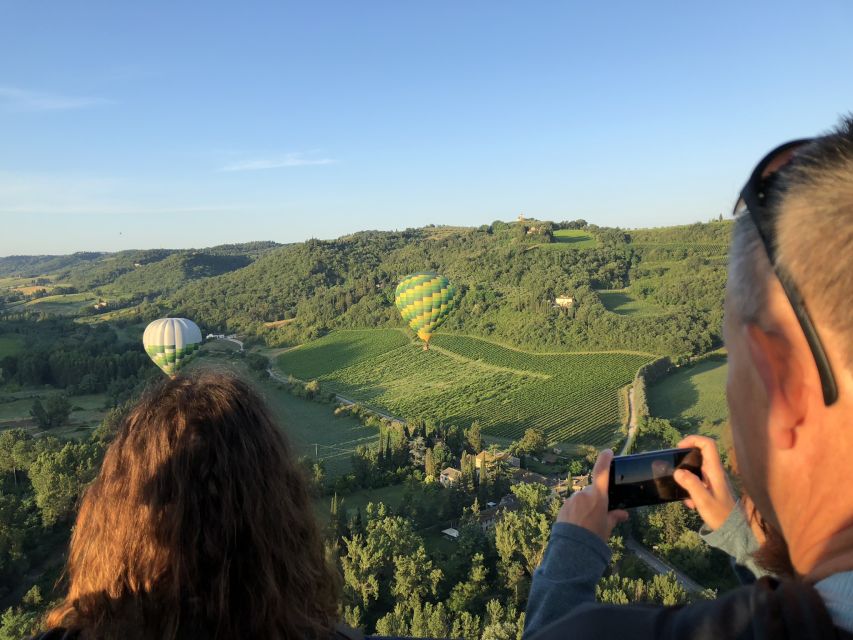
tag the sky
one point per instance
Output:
(176, 124)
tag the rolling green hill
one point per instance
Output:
(31, 266)
(507, 287)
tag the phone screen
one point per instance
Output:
(646, 478)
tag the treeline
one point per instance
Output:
(76, 357)
(398, 580)
(672, 529)
(41, 480)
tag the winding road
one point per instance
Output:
(661, 566)
(632, 423)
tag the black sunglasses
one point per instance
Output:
(753, 202)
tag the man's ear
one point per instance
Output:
(781, 374)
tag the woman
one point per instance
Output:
(199, 525)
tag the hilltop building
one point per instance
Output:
(564, 302)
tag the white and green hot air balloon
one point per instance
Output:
(171, 342)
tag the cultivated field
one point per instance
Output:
(572, 397)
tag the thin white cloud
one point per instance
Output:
(17, 99)
(278, 162)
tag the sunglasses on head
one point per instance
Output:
(753, 202)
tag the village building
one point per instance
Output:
(564, 301)
(579, 482)
(523, 475)
(489, 517)
(563, 487)
(450, 476)
(488, 458)
(450, 533)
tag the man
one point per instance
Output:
(789, 333)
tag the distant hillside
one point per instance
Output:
(148, 271)
(173, 271)
(508, 275)
(651, 290)
(32, 266)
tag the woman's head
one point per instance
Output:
(199, 523)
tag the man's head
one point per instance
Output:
(793, 451)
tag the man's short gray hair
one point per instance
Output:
(749, 269)
(813, 204)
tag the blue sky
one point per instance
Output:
(135, 125)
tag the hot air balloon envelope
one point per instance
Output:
(171, 342)
(424, 300)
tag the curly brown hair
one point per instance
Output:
(199, 524)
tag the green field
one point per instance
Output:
(312, 427)
(87, 412)
(574, 238)
(66, 304)
(391, 496)
(572, 397)
(10, 344)
(694, 395)
(621, 301)
(315, 430)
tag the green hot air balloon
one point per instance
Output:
(424, 300)
(171, 342)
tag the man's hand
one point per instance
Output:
(588, 508)
(711, 496)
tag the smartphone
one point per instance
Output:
(646, 478)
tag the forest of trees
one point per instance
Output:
(75, 357)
